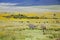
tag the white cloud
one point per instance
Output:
(7, 4)
(55, 8)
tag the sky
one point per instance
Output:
(29, 2)
(31, 5)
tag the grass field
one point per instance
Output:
(18, 29)
(29, 34)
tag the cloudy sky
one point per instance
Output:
(29, 2)
(29, 5)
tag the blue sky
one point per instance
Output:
(32, 2)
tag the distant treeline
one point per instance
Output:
(20, 16)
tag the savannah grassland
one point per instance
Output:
(18, 29)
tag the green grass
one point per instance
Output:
(30, 35)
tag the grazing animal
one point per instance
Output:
(43, 27)
(58, 39)
(32, 26)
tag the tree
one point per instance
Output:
(54, 14)
(27, 21)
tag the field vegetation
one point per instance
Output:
(27, 26)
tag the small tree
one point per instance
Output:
(27, 21)
(57, 21)
(54, 14)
